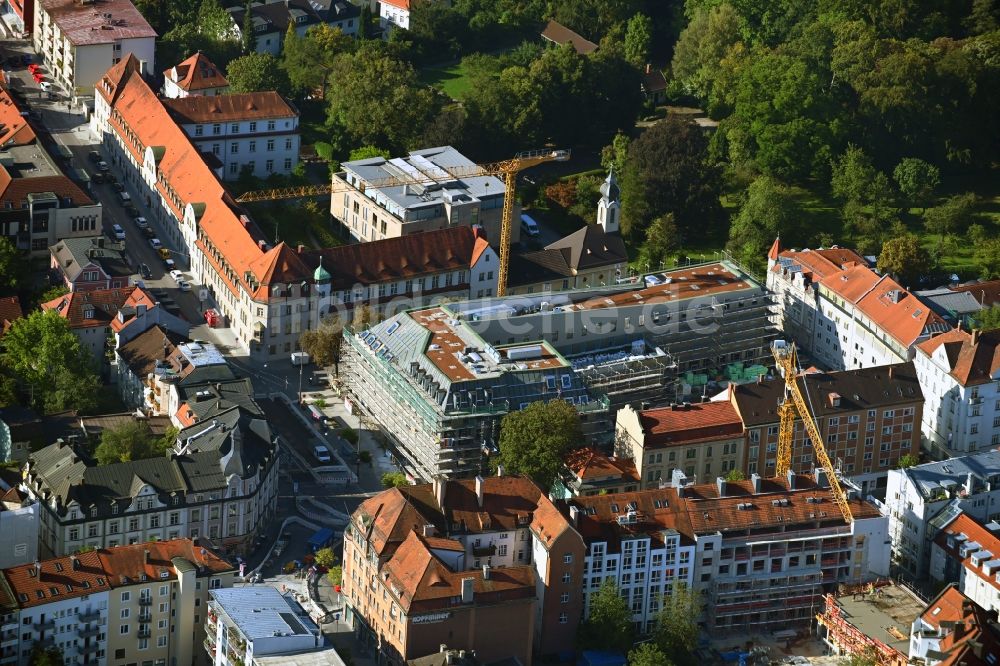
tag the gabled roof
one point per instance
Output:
(10, 311)
(152, 345)
(971, 358)
(110, 21)
(969, 635)
(16, 129)
(155, 560)
(74, 254)
(130, 308)
(90, 309)
(964, 529)
(57, 579)
(279, 265)
(585, 249)
(197, 73)
(684, 424)
(559, 34)
(589, 463)
(264, 105)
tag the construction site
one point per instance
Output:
(873, 620)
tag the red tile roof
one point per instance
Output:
(589, 463)
(557, 33)
(402, 4)
(969, 636)
(16, 129)
(973, 531)
(10, 311)
(438, 543)
(817, 264)
(702, 421)
(136, 298)
(973, 358)
(56, 579)
(279, 265)
(90, 309)
(226, 108)
(197, 73)
(131, 562)
(655, 510)
(416, 576)
(84, 23)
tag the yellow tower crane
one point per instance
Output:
(506, 169)
(794, 402)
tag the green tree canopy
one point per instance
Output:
(952, 216)
(701, 51)
(42, 656)
(638, 39)
(768, 212)
(12, 267)
(987, 258)
(323, 343)
(676, 631)
(308, 60)
(132, 440)
(661, 240)
(534, 440)
(326, 557)
(916, 179)
(366, 152)
(609, 624)
(256, 72)
(904, 257)
(667, 170)
(987, 319)
(48, 361)
(394, 480)
(908, 460)
(648, 654)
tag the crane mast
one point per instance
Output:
(794, 401)
(505, 169)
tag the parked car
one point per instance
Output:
(119, 232)
(124, 196)
(183, 285)
(98, 178)
(148, 230)
(652, 281)
(45, 85)
(529, 226)
(118, 186)
(145, 272)
(322, 453)
(131, 209)
(319, 378)
(176, 275)
(170, 265)
(164, 252)
(94, 156)
(103, 166)
(155, 243)
(141, 222)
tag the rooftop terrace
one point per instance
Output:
(886, 615)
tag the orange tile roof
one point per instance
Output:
(56, 579)
(393, 516)
(439, 543)
(970, 636)
(416, 576)
(16, 129)
(818, 264)
(653, 511)
(102, 304)
(685, 283)
(973, 358)
(974, 531)
(279, 265)
(138, 297)
(589, 463)
(129, 562)
(197, 73)
(264, 105)
(402, 4)
(10, 311)
(701, 421)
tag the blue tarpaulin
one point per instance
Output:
(321, 538)
(601, 658)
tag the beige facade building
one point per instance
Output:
(703, 440)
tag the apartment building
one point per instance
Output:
(39, 206)
(91, 262)
(19, 526)
(705, 440)
(196, 75)
(954, 629)
(868, 418)
(271, 20)
(393, 14)
(79, 41)
(959, 372)
(959, 304)
(441, 190)
(962, 553)
(843, 313)
(766, 549)
(453, 560)
(256, 131)
(266, 295)
(639, 541)
(21, 13)
(917, 498)
(600, 348)
(219, 484)
(90, 315)
(113, 606)
(138, 358)
(248, 622)
(590, 472)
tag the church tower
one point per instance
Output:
(609, 208)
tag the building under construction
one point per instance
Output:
(873, 620)
(438, 380)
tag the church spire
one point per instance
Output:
(608, 207)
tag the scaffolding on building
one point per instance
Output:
(851, 640)
(753, 605)
(625, 377)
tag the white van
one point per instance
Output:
(125, 197)
(529, 226)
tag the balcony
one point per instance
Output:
(87, 650)
(89, 616)
(8, 638)
(88, 633)
(47, 625)
(144, 632)
(209, 648)
(145, 615)
(145, 601)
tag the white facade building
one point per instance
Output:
(842, 312)
(393, 14)
(917, 497)
(967, 552)
(959, 373)
(79, 41)
(254, 621)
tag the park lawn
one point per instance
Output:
(451, 79)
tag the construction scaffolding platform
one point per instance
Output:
(872, 620)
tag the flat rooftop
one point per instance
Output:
(28, 161)
(678, 285)
(97, 22)
(887, 615)
(202, 353)
(461, 355)
(319, 657)
(263, 612)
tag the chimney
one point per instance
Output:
(574, 515)
(145, 556)
(440, 486)
(479, 490)
(468, 587)
(486, 572)
(720, 485)
(443, 648)
(38, 568)
(262, 245)
(244, 220)
(500, 470)
(300, 248)
(969, 483)
(649, 68)
(790, 477)
(959, 631)
(755, 481)
(76, 562)
(760, 379)
(140, 309)
(428, 530)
